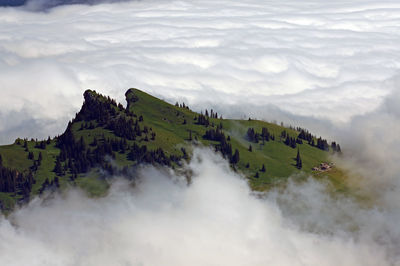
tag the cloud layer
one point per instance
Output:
(274, 60)
(331, 67)
(44, 5)
(214, 221)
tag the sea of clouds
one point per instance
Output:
(332, 67)
(299, 61)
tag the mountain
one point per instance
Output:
(105, 138)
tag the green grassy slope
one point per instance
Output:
(172, 126)
(277, 157)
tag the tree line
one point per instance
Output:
(223, 146)
(13, 181)
(254, 136)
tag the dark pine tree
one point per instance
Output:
(299, 163)
(30, 155)
(58, 167)
(235, 157)
(338, 149)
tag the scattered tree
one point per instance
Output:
(299, 163)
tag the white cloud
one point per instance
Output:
(325, 60)
(214, 221)
(331, 67)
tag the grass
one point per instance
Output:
(93, 184)
(8, 201)
(172, 125)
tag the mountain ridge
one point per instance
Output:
(152, 131)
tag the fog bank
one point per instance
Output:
(214, 221)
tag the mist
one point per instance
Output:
(216, 220)
(330, 67)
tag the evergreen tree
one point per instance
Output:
(30, 155)
(250, 148)
(299, 163)
(235, 157)
(40, 157)
(58, 168)
(298, 155)
(56, 182)
(338, 149)
(263, 168)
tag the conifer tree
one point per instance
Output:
(56, 182)
(30, 155)
(338, 149)
(235, 157)
(299, 163)
(58, 168)
(40, 158)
